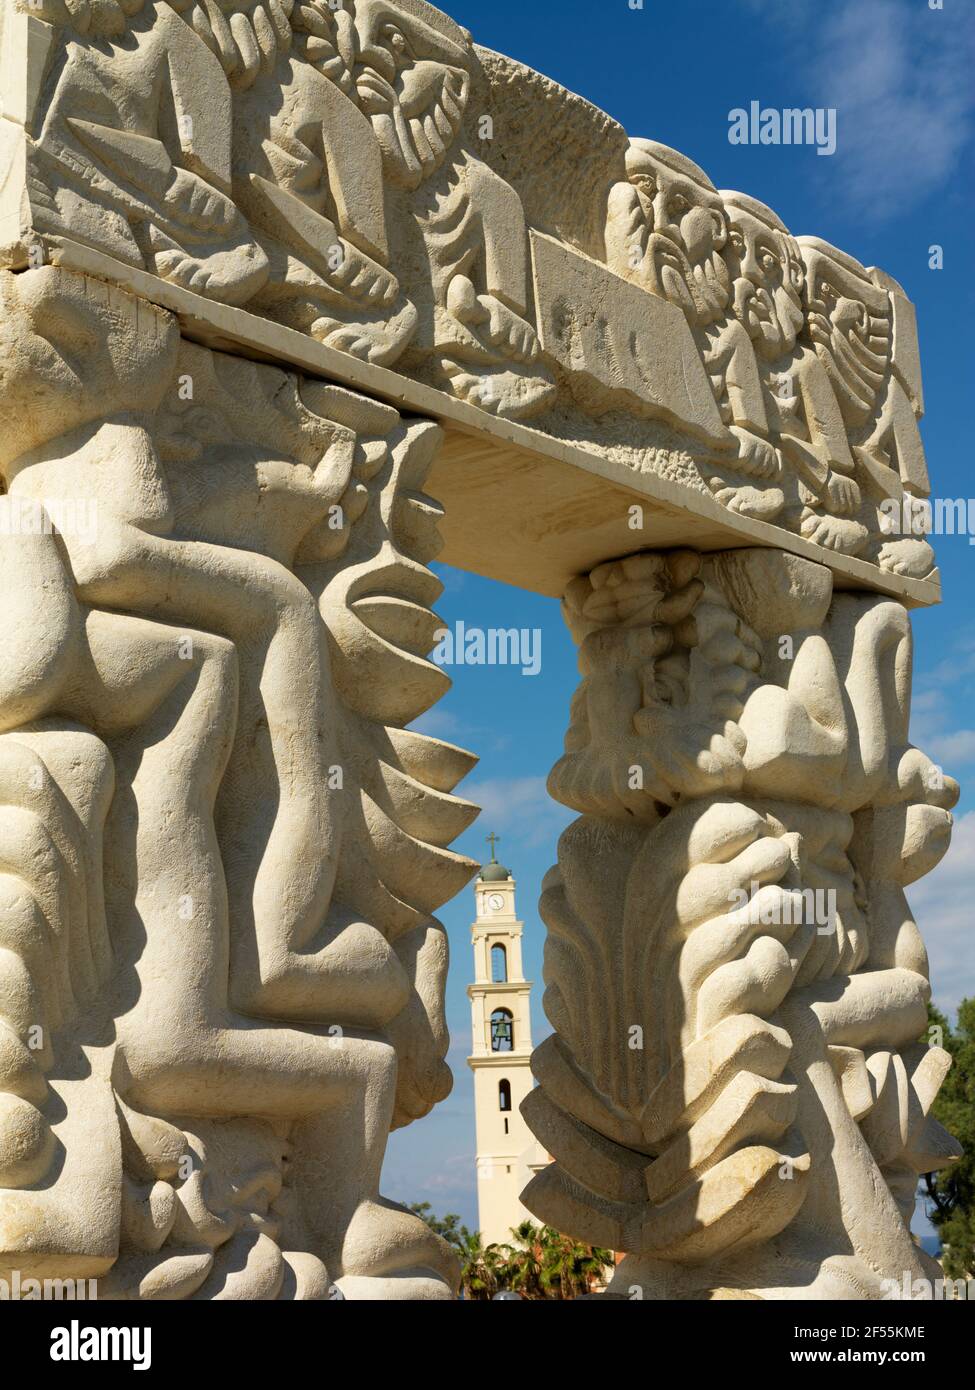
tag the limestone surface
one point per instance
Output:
(221, 979)
(366, 176)
(736, 1094)
(296, 296)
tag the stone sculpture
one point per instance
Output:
(667, 229)
(248, 614)
(461, 227)
(732, 896)
(803, 414)
(274, 274)
(337, 168)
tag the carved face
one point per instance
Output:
(411, 82)
(648, 700)
(768, 283)
(684, 260)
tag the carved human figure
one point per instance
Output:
(667, 231)
(254, 973)
(804, 415)
(736, 735)
(863, 331)
(309, 175)
(241, 111)
(460, 228)
(146, 180)
(221, 973)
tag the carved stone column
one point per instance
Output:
(735, 1094)
(221, 980)
(265, 265)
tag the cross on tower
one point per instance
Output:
(492, 840)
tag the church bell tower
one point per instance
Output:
(507, 1153)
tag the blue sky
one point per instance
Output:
(900, 77)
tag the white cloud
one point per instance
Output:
(953, 750)
(439, 723)
(518, 808)
(935, 705)
(959, 663)
(942, 906)
(423, 1172)
(789, 15)
(931, 731)
(506, 796)
(900, 77)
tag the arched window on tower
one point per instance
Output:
(504, 1095)
(502, 1031)
(499, 965)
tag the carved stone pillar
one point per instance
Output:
(221, 979)
(265, 265)
(735, 1094)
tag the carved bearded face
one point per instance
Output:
(683, 261)
(653, 695)
(412, 84)
(768, 282)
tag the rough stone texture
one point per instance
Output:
(270, 272)
(366, 175)
(222, 852)
(735, 1094)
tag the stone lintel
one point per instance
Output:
(521, 506)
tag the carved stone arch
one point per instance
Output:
(279, 327)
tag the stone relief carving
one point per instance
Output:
(468, 245)
(133, 148)
(223, 851)
(798, 344)
(310, 119)
(667, 230)
(801, 411)
(344, 171)
(863, 331)
(735, 979)
(221, 974)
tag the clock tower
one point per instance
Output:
(507, 1153)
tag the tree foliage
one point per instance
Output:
(538, 1263)
(952, 1191)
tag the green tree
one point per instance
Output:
(539, 1262)
(482, 1269)
(523, 1265)
(570, 1265)
(449, 1226)
(952, 1190)
(542, 1263)
(481, 1265)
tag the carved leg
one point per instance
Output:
(239, 992)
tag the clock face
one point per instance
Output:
(495, 902)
